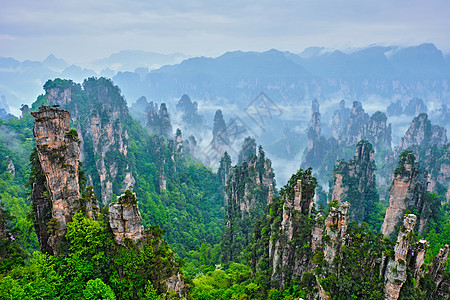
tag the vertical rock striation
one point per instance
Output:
(354, 181)
(407, 191)
(58, 151)
(396, 271)
(289, 260)
(97, 112)
(335, 231)
(125, 219)
(246, 196)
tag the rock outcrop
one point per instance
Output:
(436, 271)
(318, 146)
(287, 262)
(335, 231)
(354, 181)
(125, 219)
(354, 129)
(360, 126)
(246, 196)
(224, 169)
(97, 111)
(422, 134)
(248, 150)
(58, 151)
(407, 191)
(189, 112)
(339, 120)
(396, 271)
(220, 140)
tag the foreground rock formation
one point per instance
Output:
(395, 275)
(58, 151)
(97, 112)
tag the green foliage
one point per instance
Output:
(406, 157)
(96, 289)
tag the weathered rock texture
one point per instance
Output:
(97, 113)
(395, 275)
(339, 120)
(354, 181)
(59, 152)
(360, 126)
(288, 261)
(407, 191)
(422, 134)
(348, 128)
(246, 196)
(125, 219)
(335, 230)
(318, 146)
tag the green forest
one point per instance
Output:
(291, 249)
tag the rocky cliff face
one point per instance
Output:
(436, 271)
(396, 271)
(407, 191)
(58, 151)
(189, 112)
(97, 113)
(335, 231)
(318, 146)
(246, 196)
(125, 219)
(297, 243)
(354, 129)
(248, 149)
(220, 140)
(354, 181)
(288, 260)
(159, 121)
(348, 128)
(360, 126)
(339, 120)
(422, 134)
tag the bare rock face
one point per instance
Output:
(59, 152)
(418, 259)
(378, 132)
(395, 275)
(354, 181)
(178, 142)
(422, 134)
(286, 261)
(339, 121)
(125, 219)
(318, 146)
(246, 196)
(436, 270)
(101, 134)
(335, 230)
(354, 129)
(407, 191)
(11, 168)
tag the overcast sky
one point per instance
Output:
(80, 30)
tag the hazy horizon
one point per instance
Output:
(82, 31)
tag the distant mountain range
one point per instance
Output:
(395, 73)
